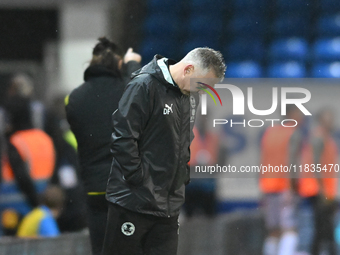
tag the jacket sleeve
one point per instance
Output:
(129, 121)
(21, 175)
(69, 109)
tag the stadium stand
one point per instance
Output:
(329, 6)
(201, 25)
(158, 25)
(251, 27)
(287, 70)
(285, 26)
(162, 6)
(327, 49)
(246, 69)
(329, 25)
(261, 31)
(198, 42)
(244, 6)
(205, 6)
(288, 49)
(240, 49)
(326, 70)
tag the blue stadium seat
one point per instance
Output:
(162, 25)
(204, 25)
(206, 6)
(290, 69)
(326, 70)
(254, 6)
(327, 49)
(300, 8)
(329, 25)
(246, 69)
(240, 50)
(293, 5)
(287, 26)
(152, 46)
(329, 6)
(164, 6)
(288, 49)
(246, 26)
(194, 42)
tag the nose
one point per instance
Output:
(200, 92)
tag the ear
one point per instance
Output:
(188, 70)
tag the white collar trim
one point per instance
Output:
(165, 70)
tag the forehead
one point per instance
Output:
(209, 78)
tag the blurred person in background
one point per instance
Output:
(12, 226)
(89, 109)
(41, 221)
(319, 188)
(21, 85)
(205, 150)
(281, 146)
(53, 121)
(152, 132)
(67, 170)
(27, 165)
(2, 133)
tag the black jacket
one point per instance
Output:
(89, 112)
(151, 144)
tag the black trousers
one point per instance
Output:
(324, 226)
(97, 207)
(132, 233)
(200, 199)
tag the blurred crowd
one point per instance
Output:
(39, 169)
(299, 209)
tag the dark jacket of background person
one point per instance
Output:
(151, 145)
(89, 111)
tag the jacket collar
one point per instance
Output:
(161, 73)
(165, 70)
(97, 71)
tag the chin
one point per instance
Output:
(185, 92)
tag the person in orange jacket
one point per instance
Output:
(319, 187)
(27, 162)
(281, 146)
